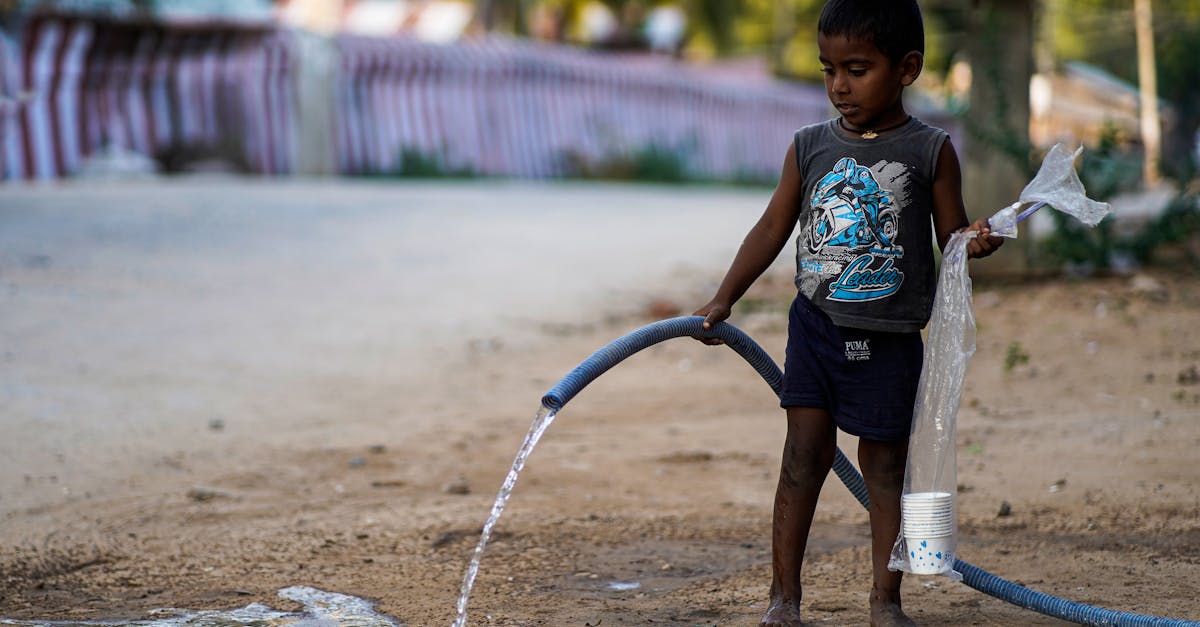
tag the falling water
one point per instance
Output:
(541, 422)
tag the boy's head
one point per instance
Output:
(894, 26)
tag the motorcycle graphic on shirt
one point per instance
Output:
(851, 234)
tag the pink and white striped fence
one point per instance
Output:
(509, 108)
(12, 162)
(73, 85)
(500, 107)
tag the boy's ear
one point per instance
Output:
(910, 67)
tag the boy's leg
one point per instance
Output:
(807, 457)
(882, 465)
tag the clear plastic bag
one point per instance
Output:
(1057, 185)
(928, 540)
(932, 458)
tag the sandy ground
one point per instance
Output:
(328, 466)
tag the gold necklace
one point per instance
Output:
(871, 134)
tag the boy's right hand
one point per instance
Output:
(713, 313)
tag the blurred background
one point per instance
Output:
(680, 91)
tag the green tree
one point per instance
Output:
(1100, 32)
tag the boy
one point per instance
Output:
(863, 189)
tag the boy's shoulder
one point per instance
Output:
(805, 138)
(815, 129)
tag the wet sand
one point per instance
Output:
(214, 392)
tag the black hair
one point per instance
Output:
(894, 26)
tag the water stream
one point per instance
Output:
(541, 422)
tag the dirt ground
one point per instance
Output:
(1076, 455)
(1077, 470)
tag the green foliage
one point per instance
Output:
(1015, 356)
(718, 18)
(752, 179)
(1170, 237)
(1106, 171)
(417, 164)
(652, 163)
(1100, 32)
(657, 163)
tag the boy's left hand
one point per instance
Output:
(985, 243)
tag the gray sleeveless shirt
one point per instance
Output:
(865, 250)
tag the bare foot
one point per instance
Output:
(889, 614)
(782, 612)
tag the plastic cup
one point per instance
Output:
(928, 522)
(929, 555)
(928, 530)
(927, 507)
(936, 520)
(927, 518)
(947, 512)
(918, 525)
(944, 514)
(925, 533)
(921, 500)
(939, 507)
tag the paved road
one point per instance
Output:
(136, 314)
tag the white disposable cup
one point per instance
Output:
(947, 512)
(923, 500)
(929, 520)
(929, 555)
(927, 506)
(932, 509)
(922, 514)
(928, 533)
(918, 521)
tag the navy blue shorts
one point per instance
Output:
(866, 380)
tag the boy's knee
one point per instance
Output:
(805, 463)
(884, 462)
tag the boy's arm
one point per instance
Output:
(949, 215)
(761, 246)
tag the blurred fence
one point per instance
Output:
(71, 87)
(74, 86)
(509, 108)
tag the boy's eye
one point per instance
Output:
(857, 71)
(827, 70)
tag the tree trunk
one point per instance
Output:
(996, 151)
(1148, 89)
(485, 14)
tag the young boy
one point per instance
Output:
(863, 189)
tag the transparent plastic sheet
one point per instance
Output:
(928, 539)
(932, 458)
(1057, 185)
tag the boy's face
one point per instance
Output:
(863, 84)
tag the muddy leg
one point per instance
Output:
(807, 457)
(882, 466)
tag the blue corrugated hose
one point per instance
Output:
(616, 351)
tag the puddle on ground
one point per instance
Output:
(321, 609)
